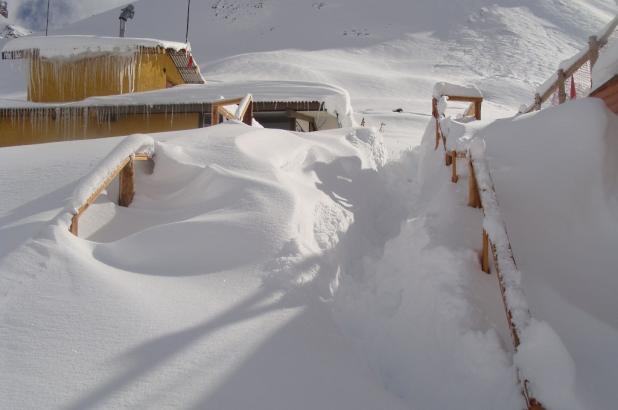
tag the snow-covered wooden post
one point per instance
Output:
(561, 86)
(126, 180)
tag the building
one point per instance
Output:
(81, 87)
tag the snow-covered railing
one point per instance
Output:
(119, 163)
(557, 82)
(442, 93)
(481, 194)
(239, 109)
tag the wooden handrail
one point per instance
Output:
(562, 74)
(483, 195)
(474, 110)
(244, 112)
(125, 171)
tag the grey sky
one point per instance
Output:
(31, 13)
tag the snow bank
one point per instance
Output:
(72, 46)
(215, 276)
(443, 89)
(555, 178)
(129, 146)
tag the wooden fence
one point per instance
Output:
(474, 110)
(240, 109)
(481, 194)
(589, 55)
(125, 171)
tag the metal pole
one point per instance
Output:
(188, 13)
(122, 27)
(47, 22)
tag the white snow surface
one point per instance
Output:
(202, 293)
(442, 88)
(555, 179)
(266, 269)
(70, 46)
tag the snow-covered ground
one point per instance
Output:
(268, 269)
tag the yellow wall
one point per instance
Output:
(73, 80)
(32, 129)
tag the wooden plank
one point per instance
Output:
(463, 99)
(142, 157)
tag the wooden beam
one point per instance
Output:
(74, 225)
(463, 99)
(248, 115)
(126, 180)
(454, 176)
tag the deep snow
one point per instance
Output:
(318, 273)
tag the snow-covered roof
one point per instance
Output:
(335, 99)
(71, 46)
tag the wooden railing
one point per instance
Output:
(125, 171)
(591, 54)
(240, 109)
(481, 194)
(474, 110)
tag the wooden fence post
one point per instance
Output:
(474, 198)
(454, 176)
(436, 116)
(248, 117)
(74, 224)
(214, 115)
(561, 86)
(127, 184)
(593, 44)
(485, 253)
(477, 109)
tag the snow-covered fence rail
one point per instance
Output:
(481, 194)
(442, 93)
(119, 163)
(240, 109)
(557, 82)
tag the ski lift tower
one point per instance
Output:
(126, 14)
(4, 9)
